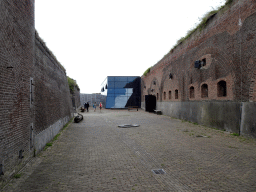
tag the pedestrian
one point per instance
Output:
(94, 106)
(87, 107)
(100, 106)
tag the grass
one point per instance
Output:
(17, 176)
(183, 120)
(56, 136)
(235, 134)
(147, 71)
(47, 49)
(65, 126)
(47, 145)
(72, 84)
(202, 24)
(243, 139)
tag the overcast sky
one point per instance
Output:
(94, 39)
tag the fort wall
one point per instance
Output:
(75, 97)
(222, 91)
(51, 99)
(17, 36)
(34, 93)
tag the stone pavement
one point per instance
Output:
(96, 155)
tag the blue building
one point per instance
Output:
(122, 91)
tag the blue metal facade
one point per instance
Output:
(122, 91)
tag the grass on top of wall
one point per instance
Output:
(203, 23)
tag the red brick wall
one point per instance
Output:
(34, 92)
(51, 91)
(229, 50)
(16, 68)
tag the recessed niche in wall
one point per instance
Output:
(170, 76)
(1, 169)
(157, 97)
(170, 94)
(176, 94)
(203, 62)
(192, 92)
(204, 90)
(164, 95)
(222, 89)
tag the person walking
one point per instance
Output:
(87, 106)
(94, 106)
(100, 106)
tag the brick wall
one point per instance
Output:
(16, 69)
(229, 50)
(227, 44)
(51, 91)
(34, 93)
(75, 97)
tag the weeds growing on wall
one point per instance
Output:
(72, 84)
(203, 23)
(147, 71)
(43, 43)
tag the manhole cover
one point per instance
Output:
(158, 171)
(128, 125)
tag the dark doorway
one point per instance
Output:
(222, 89)
(150, 103)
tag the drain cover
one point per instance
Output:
(158, 171)
(128, 125)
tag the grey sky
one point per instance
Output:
(93, 39)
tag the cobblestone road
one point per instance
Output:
(96, 155)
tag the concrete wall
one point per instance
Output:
(92, 98)
(228, 45)
(236, 117)
(48, 134)
(222, 115)
(248, 119)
